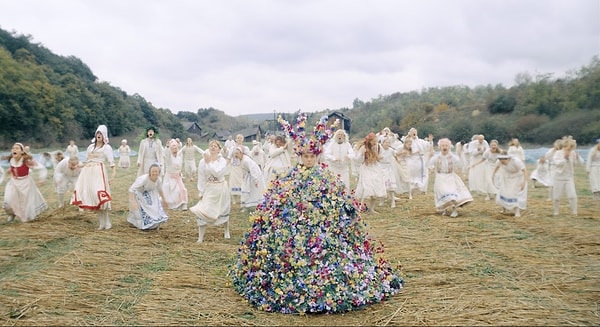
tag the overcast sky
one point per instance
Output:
(257, 56)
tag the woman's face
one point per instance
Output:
(214, 148)
(174, 147)
(237, 154)
(309, 159)
(154, 173)
(150, 133)
(386, 144)
(99, 138)
(17, 150)
(444, 147)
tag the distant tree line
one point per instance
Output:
(538, 109)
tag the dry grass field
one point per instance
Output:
(481, 268)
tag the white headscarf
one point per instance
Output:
(102, 129)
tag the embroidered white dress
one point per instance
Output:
(236, 173)
(92, 191)
(145, 209)
(510, 177)
(448, 187)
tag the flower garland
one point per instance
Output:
(312, 143)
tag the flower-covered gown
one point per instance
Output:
(308, 249)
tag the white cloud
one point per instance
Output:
(263, 55)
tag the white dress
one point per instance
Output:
(189, 159)
(92, 191)
(510, 177)
(370, 179)
(175, 192)
(278, 162)
(477, 173)
(491, 159)
(593, 168)
(215, 205)
(541, 173)
(236, 173)
(22, 198)
(448, 187)
(124, 160)
(516, 151)
(258, 155)
(403, 181)
(388, 169)
(253, 183)
(146, 211)
(338, 157)
(549, 155)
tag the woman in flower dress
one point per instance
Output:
(308, 250)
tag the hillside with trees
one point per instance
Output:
(537, 110)
(47, 99)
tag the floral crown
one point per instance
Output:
(308, 143)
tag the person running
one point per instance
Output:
(449, 190)
(563, 182)
(22, 198)
(512, 183)
(92, 189)
(66, 174)
(214, 205)
(124, 155)
(146, 201)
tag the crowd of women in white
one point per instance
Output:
(383, 166)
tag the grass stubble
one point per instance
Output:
(481, 268)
